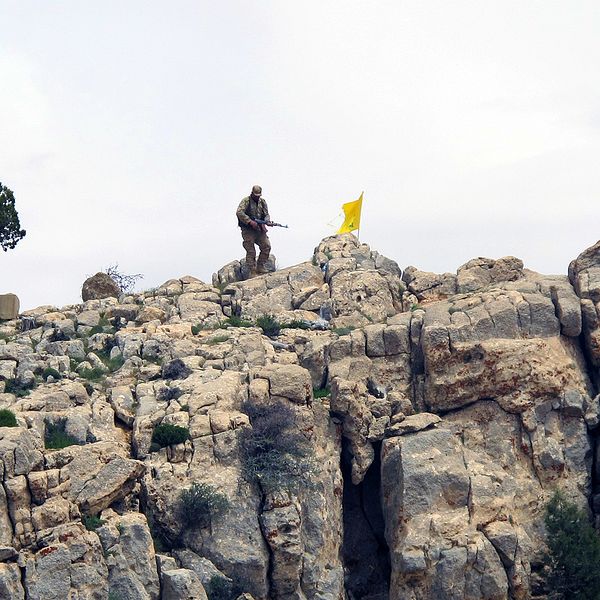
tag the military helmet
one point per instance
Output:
(256, 190)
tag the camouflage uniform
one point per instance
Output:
(248, 210)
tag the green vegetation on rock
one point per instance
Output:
(18, 388)
(7, 418)
(573, 561)
(56, 438)
(200, 503)
(274, 452)
(168, 435)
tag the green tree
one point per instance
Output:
(10, 228)
(574, 552)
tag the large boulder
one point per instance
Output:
(99, 286)
(9, 307)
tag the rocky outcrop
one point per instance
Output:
(474, 275)
(584, 275)
(430, 418)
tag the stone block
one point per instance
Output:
(9, 307)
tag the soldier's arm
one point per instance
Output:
(241, 212)
(267, 217)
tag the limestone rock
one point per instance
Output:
(481, 272)
(237, 270)
(288, 381)
(182, 584)
(131, 559)
(584, 274)
(10, 582)
(429, 286)
(425, 480)
(113, 481)
(9, 307)
(20, 451)
(69, 564)
(412, 424)
(281, 529)
(99, 286)
(273, 293)
(204, 568)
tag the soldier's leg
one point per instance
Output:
(265, 249)
(248, 237)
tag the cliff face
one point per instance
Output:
(450, 408)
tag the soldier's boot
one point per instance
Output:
(251, 269)
(261, 270)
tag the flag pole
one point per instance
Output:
(361, 195)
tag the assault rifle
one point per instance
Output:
(269, 223)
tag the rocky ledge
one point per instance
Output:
(424, 421)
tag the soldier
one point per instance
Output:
(250, 208)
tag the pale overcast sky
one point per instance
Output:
(131, 129)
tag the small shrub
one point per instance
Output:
(274, 452)
(343, 330)
(296, 324)
(220, 588)
(94, 374)
(169, 393)
(269, 325)
(573, 561)
(104, 326)
(414, 307)
(115, 363)
(7, 418)
(56, 438)
(112, 364)
(126, 283)
(176, 369)
(321, 393)
(50, 372)
(200, 503)
(18, 388)
(235, 321)
(92, 522)
(168, 435)
(196, 329)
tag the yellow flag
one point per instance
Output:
(351, 215)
